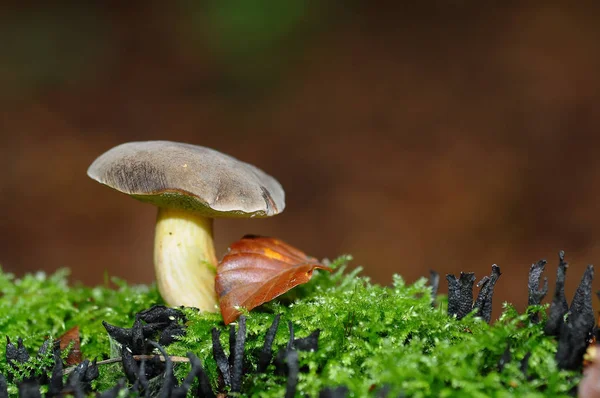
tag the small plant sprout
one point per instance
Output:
(191, 185)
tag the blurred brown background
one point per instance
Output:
(450, 135)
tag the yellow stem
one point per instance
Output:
(184, 259)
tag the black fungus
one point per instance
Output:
(92, 372)
(170, 333)
(483, 304)
(16, 354)
(44, 348)
(160, 321)
(524, 366)
(434, 281)
(290, 343)
(559, 306)
(308, 343)
(231, 345)
(334, 392)
(238, 359)
(572, 343)
(581, 306)
(504, 359)
(384, 392)
(279, 361)
(80, 379)
(266, 354)
(74, 386)
(11, 352)
(293, 371)
(197, 371)
(169, 379)
(130, 366)
(460, 294)
(141, 385)
(536, 294)
(29, 389)
(575, 333)
(22, 353)
(125, 336)
(121, 335)
(3, 387)
(204, 388)
(55, 384)
(114, 391)
(161, 314)
(137, 342)
(220, 357)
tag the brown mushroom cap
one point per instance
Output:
(191, 177)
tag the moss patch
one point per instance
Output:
(372, 338)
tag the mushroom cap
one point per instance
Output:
(191, 177)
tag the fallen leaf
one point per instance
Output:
(257, 269)
(74, 355)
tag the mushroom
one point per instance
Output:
(191, 185)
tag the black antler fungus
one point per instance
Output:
(536, 295)
(434, 281)
(559, 305)
(220, 358)
(293, 371)
(3, 387)
(238, 355)
(460, 294)
(576, 332)
(582, 301)
(334, 392)
(266, 354)
(483, 304)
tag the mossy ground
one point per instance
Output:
(371, 336)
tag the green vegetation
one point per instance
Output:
(371, 336)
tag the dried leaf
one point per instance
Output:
(71, 335)
(258, 269)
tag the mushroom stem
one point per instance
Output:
(184, 259)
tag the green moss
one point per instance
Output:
(371, 336)
(37, 307)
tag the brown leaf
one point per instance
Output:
(71, 335)
(256, 270)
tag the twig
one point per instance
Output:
(136, 357)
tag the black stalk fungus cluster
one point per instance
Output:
(573, 325)
(46, 368)
(232, 367)
(576, 331)
(150, 375)
(460, 294)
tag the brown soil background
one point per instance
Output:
(450, 135)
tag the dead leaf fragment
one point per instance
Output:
(74, 355)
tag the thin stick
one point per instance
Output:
(136, 357)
